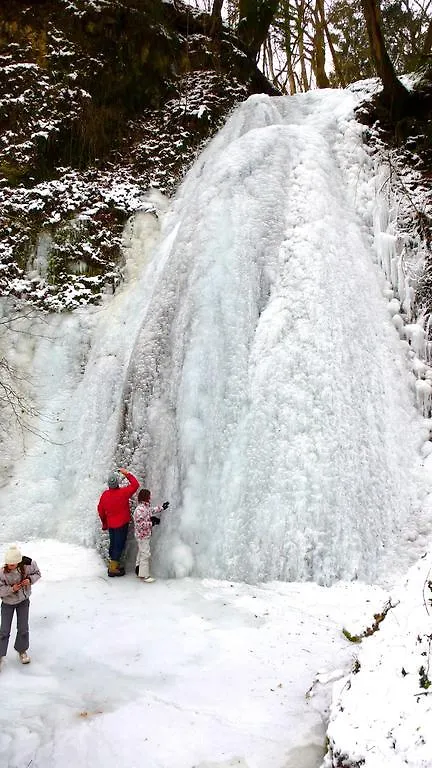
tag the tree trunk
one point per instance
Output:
(394, 95)
(427, 45)
(216, 19)
(268, 64)
(255, 19)
(304, 84)
(286, 30)
(318, 54)
(335, 58)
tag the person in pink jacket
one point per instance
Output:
(16, 579)
(114, 513)
(145, 517)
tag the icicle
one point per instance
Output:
(424, 395)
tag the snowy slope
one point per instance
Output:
(381, 715)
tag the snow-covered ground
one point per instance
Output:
(176, 674)
(381, 715)
(256, 369)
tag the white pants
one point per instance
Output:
(143, 557)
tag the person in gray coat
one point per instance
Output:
(16, 579)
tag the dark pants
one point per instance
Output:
(117, 541)
(22, 636)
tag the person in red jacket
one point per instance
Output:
(114, 512)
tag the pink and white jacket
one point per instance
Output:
(142, 519)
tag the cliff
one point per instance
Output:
(100, 100)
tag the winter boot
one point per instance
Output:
(24, 658)
(148, 580)
(114, 569)
(137, 569)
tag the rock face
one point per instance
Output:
(100, 99)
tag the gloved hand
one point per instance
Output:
(155, 520)
(165, 505)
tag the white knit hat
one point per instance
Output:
(12, 555)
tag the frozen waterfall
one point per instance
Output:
(267, 394)
(249, 372)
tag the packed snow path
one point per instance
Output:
(176, 674)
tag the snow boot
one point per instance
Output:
(114, 569)
(137, 569)
(24, 658)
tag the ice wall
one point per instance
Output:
(267, 395)
(252, 369)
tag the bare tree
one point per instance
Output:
(16, 400)
(254, 22)
(318, 55)
(427, 45)
(216, 18)
(395, 95)
(298, 32)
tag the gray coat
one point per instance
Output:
(9, 578)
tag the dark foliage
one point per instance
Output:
(99, 99)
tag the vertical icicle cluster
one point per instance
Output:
(402, 259)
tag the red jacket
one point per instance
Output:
(113, 507)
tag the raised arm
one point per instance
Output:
(133, 482)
